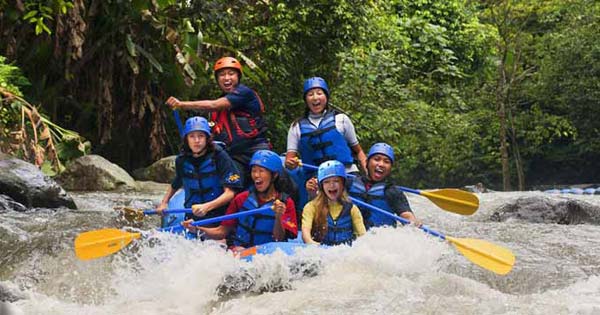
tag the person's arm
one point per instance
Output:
(279, 209)
(291, 160)
(229, 173)
(408, 215)
(221, 231)
(230, 179)
(214, 233)
(218, 104)
(360, 156)
(289, 219)
(312, 187)
(202, 209)
(347, 128)
(165, 200)
(307, 220)
(175, 185)
(399, 203)
(358, 226)
(291, 156)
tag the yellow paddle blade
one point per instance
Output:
(490, 256)
(100, 243)
(454, 200)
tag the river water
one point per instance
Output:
(388, 271)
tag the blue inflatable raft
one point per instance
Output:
(173, 220)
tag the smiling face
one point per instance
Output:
(333, 187)
(379, 166)
(316, 100)
(228, 79)
(261, 178)
(196, 140)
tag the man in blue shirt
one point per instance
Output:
(236, 117)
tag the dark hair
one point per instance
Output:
(284, 183)
(185, 148)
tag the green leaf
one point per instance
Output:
(130, 46)
(134, 65)
(188, 69)
(47, 169)
(150, 58)
(30, 14)
(188, 26)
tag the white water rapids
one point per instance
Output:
(388, 271)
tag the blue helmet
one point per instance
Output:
(330, 169)
(381, 148)
(196, 123)
(267, 159)
(316, 82)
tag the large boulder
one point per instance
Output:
(93, 172)
(162, 171)
(539, 209)
(27, 185)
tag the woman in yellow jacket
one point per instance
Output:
(331, 218)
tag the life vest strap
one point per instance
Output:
(317, 132)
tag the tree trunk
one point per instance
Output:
(501, 110)
(504, 147)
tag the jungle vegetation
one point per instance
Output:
(502, 92)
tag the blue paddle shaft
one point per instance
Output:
(405, 189)
(393, 216)
(410, 190)
(219, 219)
(178, 122)
(168, 211)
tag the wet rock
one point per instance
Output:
(152, 187)
(548, 210)
(162, 171)
(24, 183)
(93, 172)
(8, 204)
(477, 188)
(8, 295)
(253, 280)
(4, 156)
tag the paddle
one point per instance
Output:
(453, 200)
(178, 122)
(218, 219)
(490, 256)
(100, 243)
(137, 215)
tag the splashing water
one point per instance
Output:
(398, 271)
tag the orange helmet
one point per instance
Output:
(228, 62)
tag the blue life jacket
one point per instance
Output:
(202, 184)
(339, 231)
(376, 197)
(255, 229)
(323, 143)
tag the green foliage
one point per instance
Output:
(39, 13)
(11, 78)
(425, 76)
(401, 84)
(27, 134)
